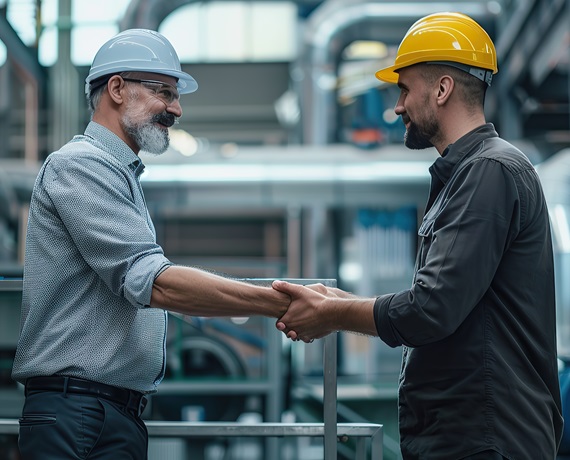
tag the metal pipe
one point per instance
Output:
(327, 23)
(149, 14)
(515, 24)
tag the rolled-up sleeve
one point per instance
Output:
(102, 208)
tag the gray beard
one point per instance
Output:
(152, 139)
(148, 137)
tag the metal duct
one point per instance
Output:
(327, 35)
(331, 27)
(148, 14)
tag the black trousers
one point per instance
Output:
(57, 425)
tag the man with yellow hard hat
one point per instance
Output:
(479, 375)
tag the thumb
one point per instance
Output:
(285, 287)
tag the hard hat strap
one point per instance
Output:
(482, 74)
(99, 82)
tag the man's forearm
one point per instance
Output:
(198, 293)
(355, 315)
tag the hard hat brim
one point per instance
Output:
(185, 82)
(388, 74)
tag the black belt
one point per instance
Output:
(130, 399)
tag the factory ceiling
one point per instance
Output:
(533, 46)
(528, 100)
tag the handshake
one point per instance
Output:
(317, 310)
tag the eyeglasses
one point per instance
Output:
(165, 92)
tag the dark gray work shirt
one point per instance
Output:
(90, 263)
(478, 327)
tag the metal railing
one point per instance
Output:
(344, 431)
(331, 431)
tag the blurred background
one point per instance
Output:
(287, 162)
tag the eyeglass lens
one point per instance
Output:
(162, 90)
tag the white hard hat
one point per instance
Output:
(139, 50)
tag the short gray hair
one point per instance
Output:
(94, 96)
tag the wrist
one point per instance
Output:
(355, 315)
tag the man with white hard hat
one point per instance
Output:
(479, 374)
(96, 283)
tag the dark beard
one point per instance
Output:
(416, 139)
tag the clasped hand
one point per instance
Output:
(312, 313)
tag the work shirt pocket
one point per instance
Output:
(425, 232)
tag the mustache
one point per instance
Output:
(165, 118)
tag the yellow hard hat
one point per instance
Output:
(445, 38)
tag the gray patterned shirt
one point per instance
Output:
(91, 260)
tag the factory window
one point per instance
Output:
(214, 31)
(233, 31)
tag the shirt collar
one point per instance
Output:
(111, 143)
(455, 153)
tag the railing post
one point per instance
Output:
(330, 397)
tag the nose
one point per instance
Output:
(399, 107)
(175, 108)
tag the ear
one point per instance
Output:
(445, 88)
(114, 87)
